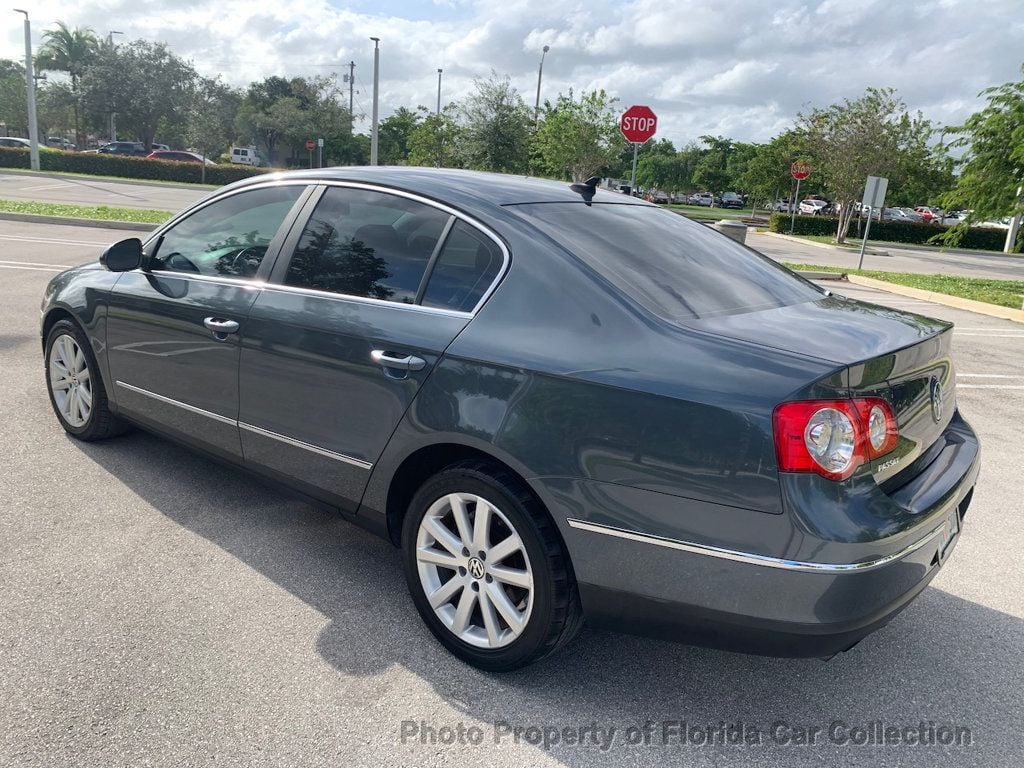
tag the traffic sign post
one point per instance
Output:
(637, 125)
(799, 170)
(309, 148)
(319, 153)
(874, 197)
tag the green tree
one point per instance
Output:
(144, 83)
(497, 127)
(712, 170)
(393, 136)
(72, 51)
(13, 99)
(578, 138)
(210, 121)
(992, 167)
(852, 140)
(766, 173)
(436, 139)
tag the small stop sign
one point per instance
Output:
(800, 170)
(638, 124)
(310, 145)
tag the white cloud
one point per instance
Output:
(741, 69)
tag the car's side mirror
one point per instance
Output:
(123, 256)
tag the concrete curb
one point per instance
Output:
(982, 308)
(68, 221)
(833, 248)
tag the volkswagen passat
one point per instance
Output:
(561, 403)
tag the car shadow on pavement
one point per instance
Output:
(944, 660)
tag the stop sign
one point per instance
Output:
(638, 124)
(800, 170)
(310, 144)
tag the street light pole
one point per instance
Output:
(439, 71)
(540, 73)
(376, 93)
(30, 87)
(113, 119)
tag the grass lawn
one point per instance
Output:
(96, 212)
(1004, 293)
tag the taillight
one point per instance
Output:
(833, 437)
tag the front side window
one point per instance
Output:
(367, 244)
(678, 269)
(230, 237)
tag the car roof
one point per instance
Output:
(449, 184)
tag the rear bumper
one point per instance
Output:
(772, 604)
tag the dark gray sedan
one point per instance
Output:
(561, 403)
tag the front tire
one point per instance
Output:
(487, 570)
(75, 387)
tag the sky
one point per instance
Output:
(740, 68)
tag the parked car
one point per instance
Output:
(133, 148)
(702, 198)
(699, 443)
(731, 200)
(179, 156)
(13, 142)
(929, 214)
(59, 142)
(782, 205)
(246, 156)
(909, 214)
(814, 206)
(655, 196)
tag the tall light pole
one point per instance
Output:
(439, 71)
(540, 73)
(113, 119)
(30, 88)
(376, 93)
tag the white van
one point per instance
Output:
(246, 156)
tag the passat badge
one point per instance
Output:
(936, 400)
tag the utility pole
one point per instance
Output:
(540, 73)
(351, 105)
(30, 87)
(376, 93)
(1011, 233)
(439, 71)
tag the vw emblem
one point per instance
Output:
(475, 568)
(936, 400)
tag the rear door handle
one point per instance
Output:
(220, 326)
(407, 363)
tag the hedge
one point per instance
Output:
(982, 238)
(127, 166)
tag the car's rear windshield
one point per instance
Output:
(675, 267)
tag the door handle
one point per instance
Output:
(407, 363)
(220, 327)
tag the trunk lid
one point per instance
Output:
(900, 357)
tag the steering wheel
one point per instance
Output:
(246, 261)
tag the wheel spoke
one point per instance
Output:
(445, 592)
(83, 375)
(513, 576)
(61, 385)
(504, 548)
(461, 516)
(481, 526)
(462, 614)
(508, 611)
(438, 557)
(443, 536)
(490, 618)
(69, 407)
(79, 358)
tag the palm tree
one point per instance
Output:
(69, 50)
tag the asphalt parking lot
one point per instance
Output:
(85, 190)
(158, 609)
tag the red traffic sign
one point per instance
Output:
(310, 145)
(800, 170)
(638, 124)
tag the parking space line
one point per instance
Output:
(35, 264)
(990, 386)
(36, 269)
(45, 186)
(991, 375)
(54, 240)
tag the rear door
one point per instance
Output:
(174, 331)
(377, 285)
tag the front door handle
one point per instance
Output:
(407, 363)
(220, 327)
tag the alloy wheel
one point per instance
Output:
(70, 380)
(474, 570)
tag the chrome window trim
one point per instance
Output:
(279, 288)
(306, 446)
(178, 403)
(235, 281)
(249, 427)
(751, 558)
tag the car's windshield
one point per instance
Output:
(676, 268)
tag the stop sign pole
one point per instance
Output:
(799, 170)
(637, 125)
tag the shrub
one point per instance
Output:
(127, 167)
(889, 231)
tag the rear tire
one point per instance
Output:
(498, 596)
(75, 387)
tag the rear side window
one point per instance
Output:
(676, 268)
(367, 244)
(465, 268)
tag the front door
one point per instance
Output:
(339, 342)
(174, 331)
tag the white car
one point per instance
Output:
(813, 207)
